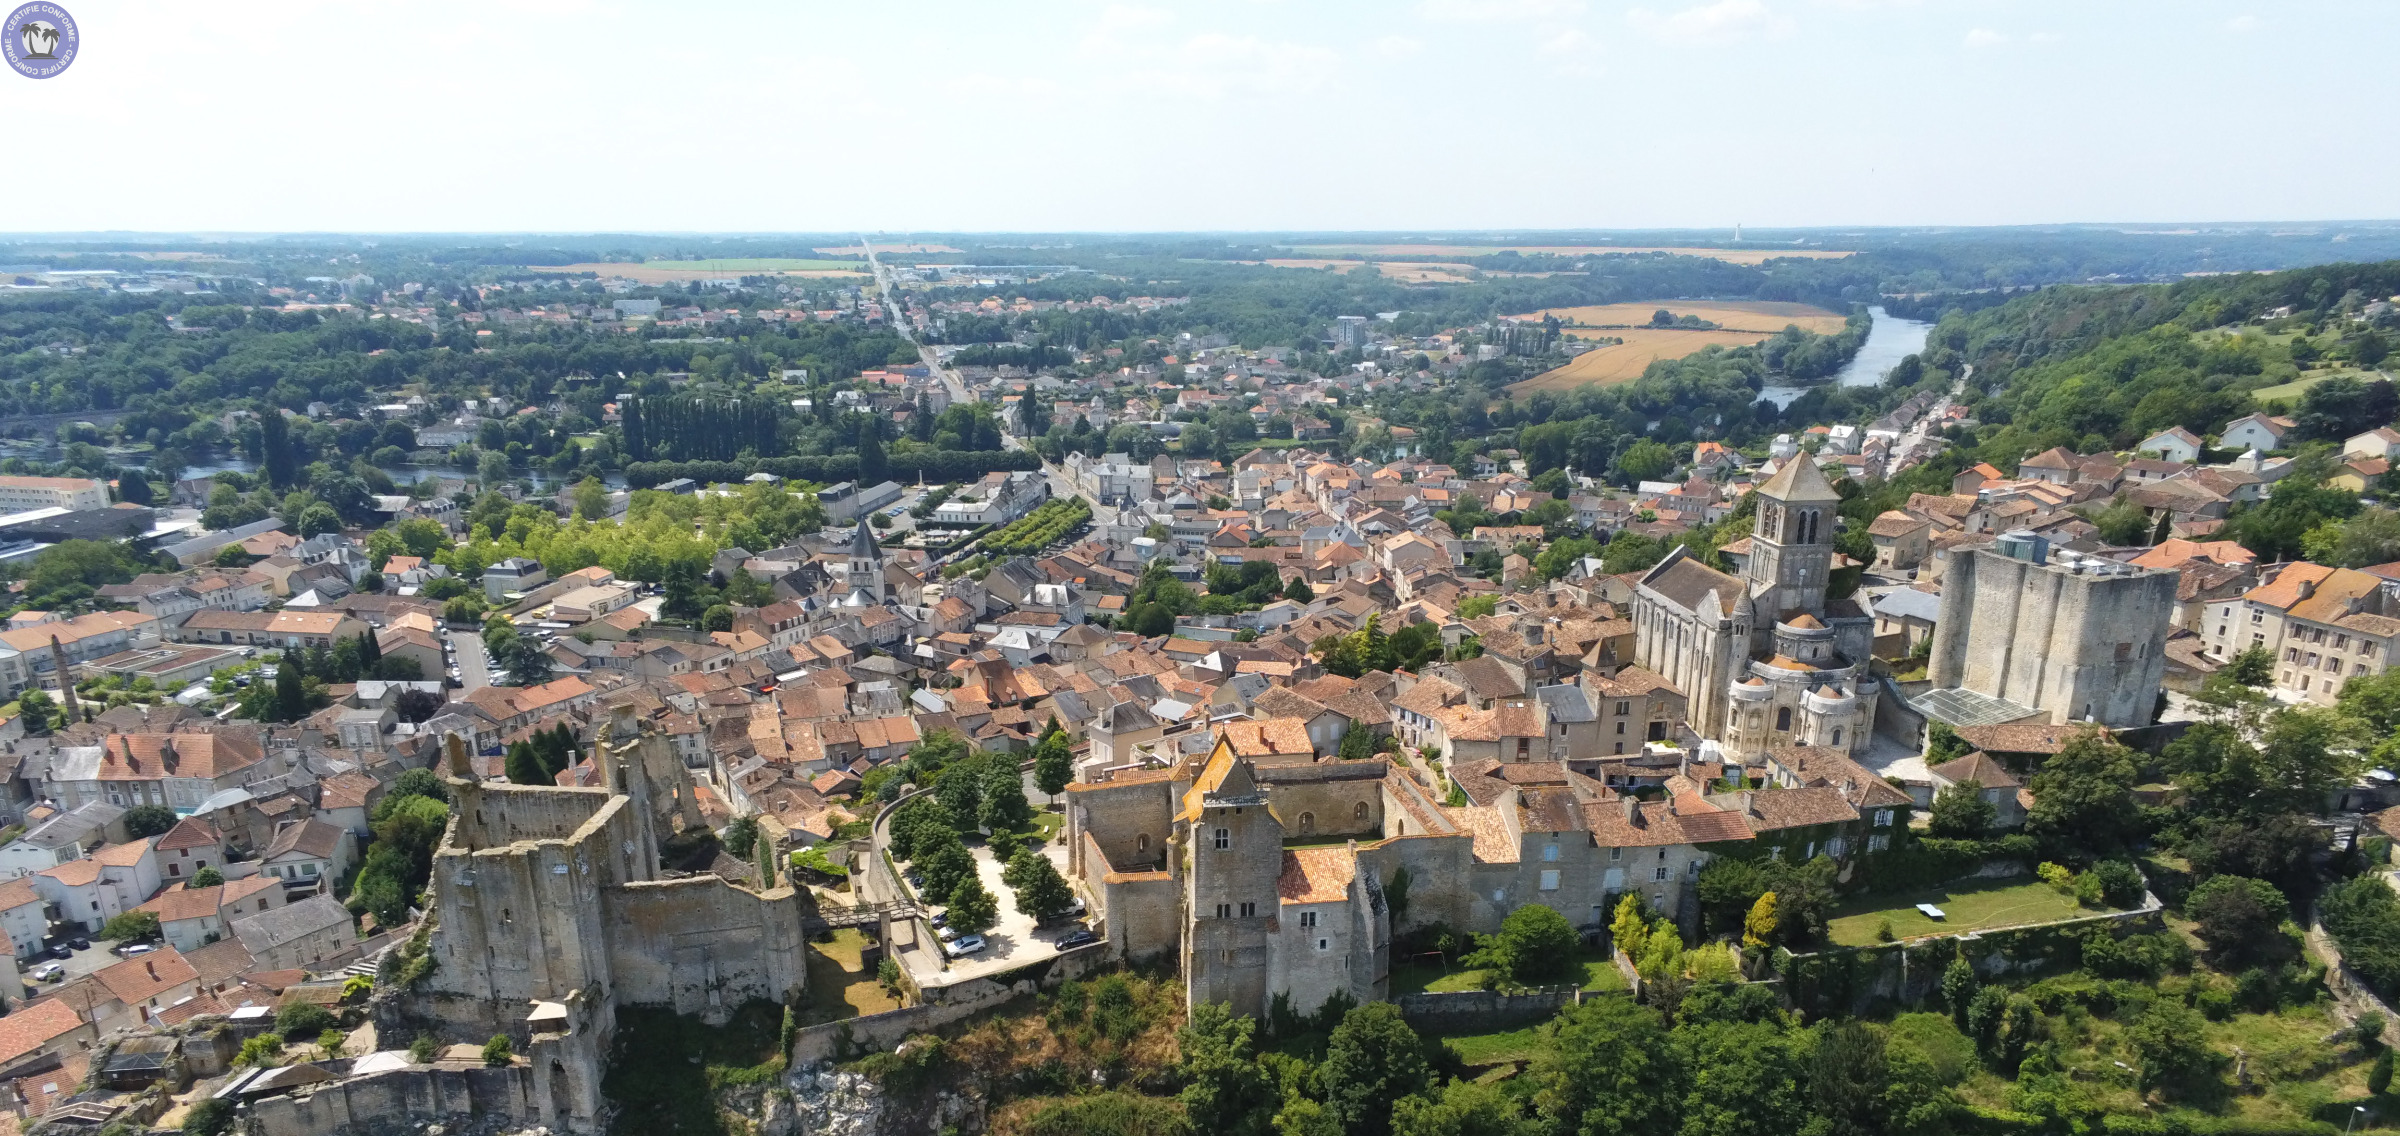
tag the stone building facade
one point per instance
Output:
(1764, 658)
(553, 898)
(2073, 638)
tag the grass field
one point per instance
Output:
(2299, 386)
(1971, 906)
(674, 271)
(1732, 315)
(1414, 977)
(1730, 256)
(840, 984)
(1625, 362)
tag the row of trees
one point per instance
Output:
(700, 429)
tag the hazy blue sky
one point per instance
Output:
(1234, 114)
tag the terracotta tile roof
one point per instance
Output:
(74, 873)
(1270, 737)
(2027, 737)
(139, 979)
(1488, 831)
(122, 855)
(17, 893)
(1316, 875)
(1978, 767)
(190, 832)
(221, 962)
(1774, 809)
(30, 1027)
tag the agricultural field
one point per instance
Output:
(1730, 256)
(1732, 315)
(1404, 272)
(678, 271)
(1625, 362)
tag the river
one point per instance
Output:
(1890, 340)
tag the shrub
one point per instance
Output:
(260, 1051)
(2121, 883)
(303, 1019)
(2087, 889)
(209, 1117)
(423, 1050)
(2379, 1078)
(497, 1051)
(2368, 1030)
(2057, 876)
(2214, 1003)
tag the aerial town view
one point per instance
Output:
(1199, 571)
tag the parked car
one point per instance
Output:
(946, 934)
(1080, 936)
(62, 952)
(963, 947)
(941, 918)
(47, 972)
(80, 943)
(129, 950)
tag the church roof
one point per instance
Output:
(1687, 581)
(1807, 622)
(1799, 480)
(862, 542)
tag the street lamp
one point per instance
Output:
(2356, 1111)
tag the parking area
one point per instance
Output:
(80, 963)
(1012, 942)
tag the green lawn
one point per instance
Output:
(1428, 977)
(1495, 1048)
(1972, 905)
(2299, 386)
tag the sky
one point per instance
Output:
(827, 116)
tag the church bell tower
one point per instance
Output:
(1791, 545)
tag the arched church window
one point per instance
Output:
(1837, 735)
(1783, 717)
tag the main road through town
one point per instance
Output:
(895, 313)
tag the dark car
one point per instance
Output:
(62, 952)
(1080, 936)
(80, 943)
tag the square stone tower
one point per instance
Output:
(1234, 847)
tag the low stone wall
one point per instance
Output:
(400, 1100)
(1853, 980)
(836, 1041)
(1485, 1011)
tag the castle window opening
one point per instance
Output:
(1359, 812)
(1224, 839)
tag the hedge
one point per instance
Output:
(940, 465)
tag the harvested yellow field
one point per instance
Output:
(676, 272)
(1402, 272)
(1733, 315)
(1625, 362)
(1730, 256)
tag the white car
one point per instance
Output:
(47, 972)
(964, 946)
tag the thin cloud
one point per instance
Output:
(1723, 20)
(1985, 37)
(2242, 25)
(1497, 11)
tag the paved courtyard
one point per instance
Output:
(1011, 943)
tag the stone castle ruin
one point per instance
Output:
(551, 911)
